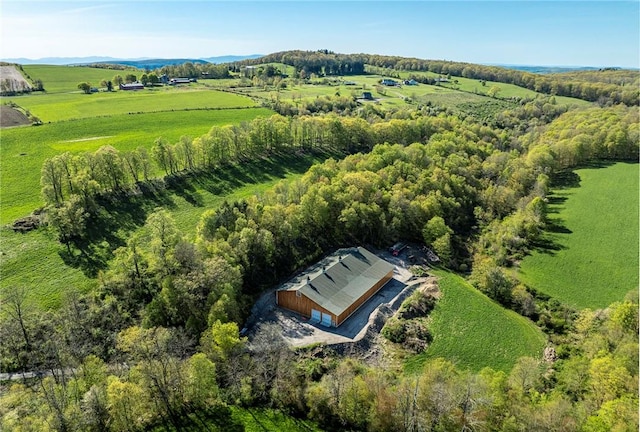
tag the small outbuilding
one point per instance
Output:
(332, 290)
(367, 96)
(132, 86)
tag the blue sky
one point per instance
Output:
(574, 33)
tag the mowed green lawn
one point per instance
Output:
(593, 260)
(474, 332)
(24, 149)
(58, 79)
(66, 106)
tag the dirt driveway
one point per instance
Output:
(299, 332)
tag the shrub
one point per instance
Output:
(418, 304)
(394, 330)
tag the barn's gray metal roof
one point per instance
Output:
(342, 279)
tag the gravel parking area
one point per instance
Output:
(299, 332)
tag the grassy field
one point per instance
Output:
(590, 255)
(33, 261)
(24, 149)
(59, 79)
(467, 96)
(472, 331)
(66, 106)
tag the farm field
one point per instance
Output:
(59, 79)
(472, 331)
(66, 106)
(506, 90)
(590, 255)
(453, 96)
(24, 149)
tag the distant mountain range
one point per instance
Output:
(545, 69)
(142, 63)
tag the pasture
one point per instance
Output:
(466, 96)
(24, 149)
(60, 79)
(67, 106)
(589, 255)
(474, 332)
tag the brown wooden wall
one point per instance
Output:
(356, 304)
(302, 305)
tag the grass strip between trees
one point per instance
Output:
(474, 332)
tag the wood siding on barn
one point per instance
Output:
(359, 302)
(300, 304)
(303, 305)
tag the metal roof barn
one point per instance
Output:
(333, 289)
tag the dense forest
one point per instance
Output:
(157, 346)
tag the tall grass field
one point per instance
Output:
(474, 332)
(592, 257)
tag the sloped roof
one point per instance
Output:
(344, 279)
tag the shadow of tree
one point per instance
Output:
(565, 179)
(117, 214)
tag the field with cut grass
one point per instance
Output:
(24, 149)
(589, 255)
(66, 106)
(472, 331)
(59, 79)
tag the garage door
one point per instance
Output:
(326, 320)
(315, 315)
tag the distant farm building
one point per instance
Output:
(332, 290)
(367, 96)
(132, 86)
(410, 82)
(389, 82)
(174, 81)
